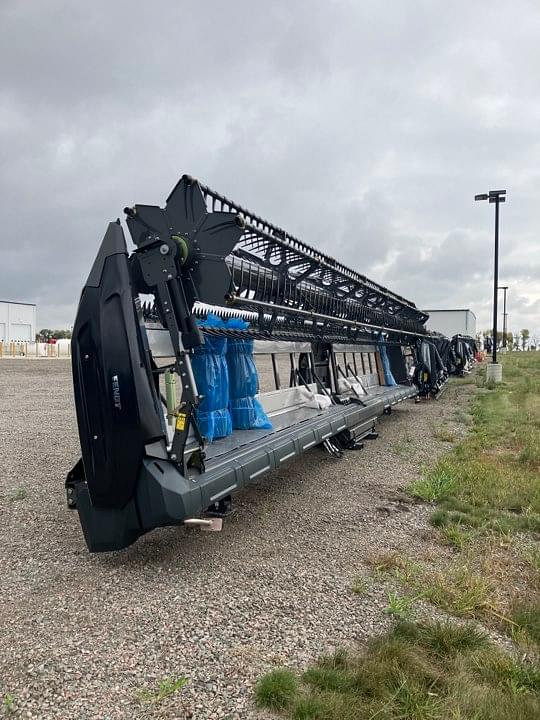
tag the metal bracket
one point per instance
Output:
(74, 477)
(184, 420)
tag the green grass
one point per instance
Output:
(19, 494)
(467, 380)
(434, 485)
(526, 616)
(462, 417)
(489, 485)
(9, 704)
(385, 562)
(424, 671)
(455, 536)
(400, 566)
(487, 492)
(479, 582)
(490, 480)
(444, 434)
(403, 447)
(277, 690)
(166, 688)
(459, 591)
(399, 606)
(360, 586)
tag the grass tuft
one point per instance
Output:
(526, 616)
(360, 586)
(329, 679)
(414, 700)
(434, 485)
(459, 591)
(446, 639)
(454, 536)
(309, 708)
(439, 518)
(277, 690)
(384, 562)
(166, 688)
(497, 668)
(444, 434)
(9, 704)
(399, 606)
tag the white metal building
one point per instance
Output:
(452, 322)
(17, 322)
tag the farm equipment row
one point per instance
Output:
(172, 343)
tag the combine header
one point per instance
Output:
(168, 346)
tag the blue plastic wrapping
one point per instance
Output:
(212, 377)
(388, 377)
(246, 411)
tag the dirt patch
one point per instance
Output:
(82, 635)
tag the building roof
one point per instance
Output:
(16, 302)
(450, 310)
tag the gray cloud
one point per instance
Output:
(364, 128)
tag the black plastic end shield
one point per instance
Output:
(107, 529)
(117, 407)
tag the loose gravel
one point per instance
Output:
(81, 636)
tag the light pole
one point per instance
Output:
(504, 288)
(497, 197)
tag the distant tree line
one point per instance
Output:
(521, 340)
(45, 335)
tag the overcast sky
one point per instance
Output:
(363, 127)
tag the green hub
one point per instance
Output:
(183, 247)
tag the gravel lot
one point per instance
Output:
(82, 635)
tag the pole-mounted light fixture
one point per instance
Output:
(497, 197)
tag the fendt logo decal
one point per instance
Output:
(116, 392)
